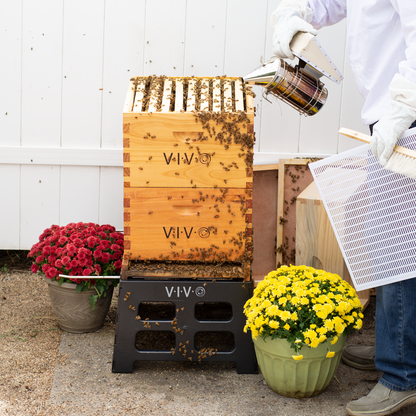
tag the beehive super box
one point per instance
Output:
(188, 169)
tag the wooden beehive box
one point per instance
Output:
(188, 169)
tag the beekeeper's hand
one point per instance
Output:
(401, 115)
(290, 17)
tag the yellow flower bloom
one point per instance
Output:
(322, 314)
(329, 324)
(359, 324)
(314, 342)
(334, 340)
(282, 301)
(297, 357)
(294, 316)
(328, 307)
(310, 333)
(274, 324)
(330, 354)
(295, 300)
(339, 328)
(284, 315)
(287, 327)
(272, 310)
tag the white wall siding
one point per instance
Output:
(63, 81)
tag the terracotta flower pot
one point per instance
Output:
(292, 378)
(73, 311)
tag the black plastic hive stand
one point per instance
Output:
(183, 323)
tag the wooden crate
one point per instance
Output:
(316, 244)
(188, 145)
(186, 224)
(188, 168)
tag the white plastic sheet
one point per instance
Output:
(373, 214)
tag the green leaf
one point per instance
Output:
(93, 301)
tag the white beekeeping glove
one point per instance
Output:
(391, 126)
(290, 17)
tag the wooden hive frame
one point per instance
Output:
(188, 113)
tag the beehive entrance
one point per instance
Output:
(166, 94)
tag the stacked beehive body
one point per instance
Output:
(188, 176)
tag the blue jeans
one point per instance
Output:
(396, 334)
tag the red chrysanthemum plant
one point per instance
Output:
(79, 250)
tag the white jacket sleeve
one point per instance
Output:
(327, 12)
(407, 11)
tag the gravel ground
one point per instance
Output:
(44, 371)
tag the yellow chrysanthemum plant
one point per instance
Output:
(303, 305)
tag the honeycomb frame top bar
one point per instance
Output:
(164, 94)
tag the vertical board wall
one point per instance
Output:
(65, 71)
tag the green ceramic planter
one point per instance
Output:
(291, 378)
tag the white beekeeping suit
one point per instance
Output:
(381, 43)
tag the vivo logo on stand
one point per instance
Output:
(181, 291)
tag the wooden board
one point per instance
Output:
(179, 95)
(293, 178)
(165, 150)
(167, 96)
(264, 223)
(178, 224)
(316, 244)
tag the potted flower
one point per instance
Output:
(299, 318)
(78, 261)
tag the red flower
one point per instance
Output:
(65, 260)
(51, 259)
(83, 262)
(105, 258)
(51, 273)
(104, 245)
(81, 256)
(74, 263)
(46, 251)
(91, 241)
(71, 248)
(79, 249)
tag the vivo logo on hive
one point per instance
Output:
(186, 158)
(178, 232)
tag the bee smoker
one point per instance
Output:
(300, 85)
